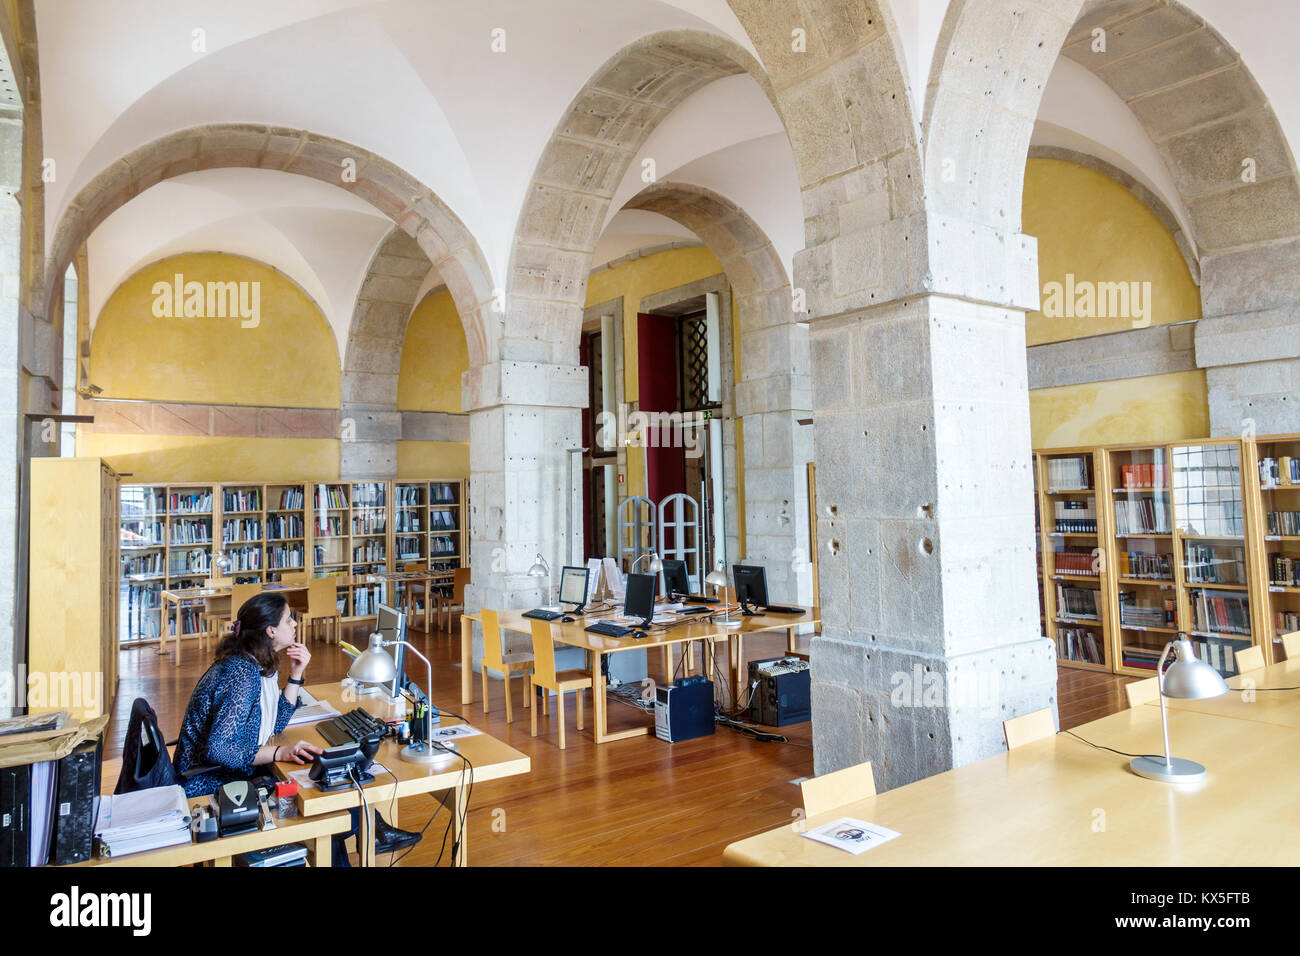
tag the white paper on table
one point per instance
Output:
(128, 815)
(593, 578)
(853, 836)
(311, 710)
(614, 579)
(455, 731)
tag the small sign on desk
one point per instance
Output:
(853, 836)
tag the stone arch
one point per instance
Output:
(444, 239)
(775, 392)
(1207, 117)
(579, 170)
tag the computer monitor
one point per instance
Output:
(751, 585)
(391, 626)
(640, 599)
(676, 580)
(573, 587)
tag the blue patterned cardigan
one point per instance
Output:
(221, 725)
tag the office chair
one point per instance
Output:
(146, 762)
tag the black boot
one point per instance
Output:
(388, 838)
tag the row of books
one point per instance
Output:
(189, 621)
(285, 556)
(144, 564)
(245, 559)
(1077, 561)
(366, 600)
(1144, 564)
(408, 548)
(1140, 656)
(1077, 602)
(369, 496)
(144, 596)
(330, 496)
(1068, 474)
(1214, 564)
(291, 499)
(198, 503)
(441, 545)
(241, 529)
(1076, 516)
(370, 551)
(142, 534)
(442, 519)
(1284, 622)
(1219, 612)
(1140, 476)
(250, 500)
(1274, 472)
(1142, 516)
(442, 493)
(189, 562)
(1078, 644)
(1135, 614)
(409, 496)
(1283, 570)
(1284, 522)
(369, 522)
(279, 527)
(191, 532)
(330, 526)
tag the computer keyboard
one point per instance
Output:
(695, 610)
(699, 599)
(542, 614)
(352, 727)
(606, 629)
(782, 609)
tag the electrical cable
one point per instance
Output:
(1112, 749)
(362, 827)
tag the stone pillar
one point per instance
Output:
(522, 418)
(925, 524)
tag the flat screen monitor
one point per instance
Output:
(640, 601)
(573, 586)
(751, 584)
(391, 626)
(676, 580)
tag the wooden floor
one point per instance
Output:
(633, 802)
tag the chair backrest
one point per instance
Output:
(1291, 644)
(219, 581)
(322, 598)
(1028, 727)
(492, 639)
(543, 653)
(1139, 692)
(414, 566)
(459, 581)
(1250, 659)
(241, 594)
(832, 790)
(295, 577)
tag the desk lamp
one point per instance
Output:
(718, 578)
(541, 569)
(1186, 679)
(655, 565)
(375, 666)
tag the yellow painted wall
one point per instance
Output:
(152, 458)
(289, 359)
(1092, 227)
(634, 281)
(434, 356)
(432, 459)
(1154, 408)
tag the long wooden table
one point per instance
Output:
(1249, 699)
(1060, 802)
(491, 760)
(597, 646)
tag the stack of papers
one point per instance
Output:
(311, 710)
(144, 820)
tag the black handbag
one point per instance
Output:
(145, 760)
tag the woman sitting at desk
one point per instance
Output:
(237, 704)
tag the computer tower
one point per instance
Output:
(783, 694)
(684, 710)
(74, 804)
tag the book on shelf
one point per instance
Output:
(280, 527)
(1077, 561)
(1068, 474)
(1078, 644)
(1134, 613)
(1143, 477)
(241, 529)
(284, 556)
(1144, 564)
(1076, 516)
(1279, 472)
(291, 499)
(191, 531)
(1147, 515)
(1284, 622)
(1220, 612)
(194, 503)
(1283, 570)
(1213, 564)
(243, 500)
(330, 496)
(1285, 523)
(1141, 656)
(1077, 602)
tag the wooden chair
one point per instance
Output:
(831, 790)
(1140, 692)
(507, 664)
(1028, 727)
(457, 600)
(323, 606)
(545, 676)
(295, 577)
(1250, 659)
(411, 588)
(1291, 644)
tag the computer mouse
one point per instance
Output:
(639, 634)
(566, 620)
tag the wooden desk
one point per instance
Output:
(597, 646)
(491, 758)
(317, 832)
(1059, 802)
(1242, 702)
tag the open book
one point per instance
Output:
(311, 710)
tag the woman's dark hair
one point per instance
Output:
(249, 635)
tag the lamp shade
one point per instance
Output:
(656, 565)
(1190, 679)
(540, 568)
(374, 665)
(717, 578)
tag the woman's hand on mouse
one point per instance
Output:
(300, 751)
(299, 658)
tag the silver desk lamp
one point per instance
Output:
(1186, 679)
(718, 578)
(375, 665)
(541, 569)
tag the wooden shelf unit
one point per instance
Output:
(282, 524)
(1045, 593)
(1277, 548)
(1065, 487)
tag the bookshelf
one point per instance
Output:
(1044, 593)
(1273, 468)
(1143, 597)
(271, 529)
(1075, 576)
